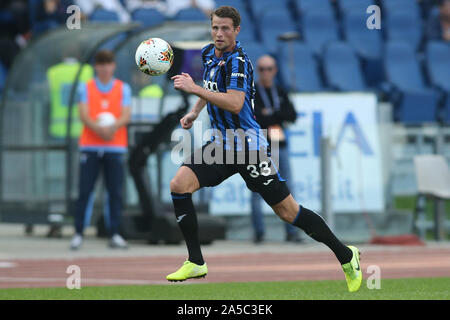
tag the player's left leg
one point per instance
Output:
(314, 225)
(264, 178)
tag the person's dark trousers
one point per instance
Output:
(256, 200)
(91, 163)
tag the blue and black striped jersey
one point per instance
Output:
(232, 71)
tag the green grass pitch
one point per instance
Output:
(413, 288)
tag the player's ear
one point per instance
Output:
(238, 29)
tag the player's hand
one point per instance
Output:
(106, 133)
(187, 121)
(184, 82)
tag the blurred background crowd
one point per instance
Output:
(414, 33)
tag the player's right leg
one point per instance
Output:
(182, 186)
(189, 178)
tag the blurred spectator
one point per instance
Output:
(14, 29)
(174, 6)
(88, 7)
(146, 4)
(60, 79)
(14, 17)
(439, 26)
(273, 108)
(49, 14)
(105, 109)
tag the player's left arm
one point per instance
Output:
(232, 100)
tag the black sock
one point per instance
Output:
(316, 228)
(187, 221)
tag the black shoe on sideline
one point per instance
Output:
(259, 238)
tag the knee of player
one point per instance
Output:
(177, 185)
(284, 215)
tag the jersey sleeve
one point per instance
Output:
(126, 95)
(237, 73)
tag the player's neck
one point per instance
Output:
(220, 53)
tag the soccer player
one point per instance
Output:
(228, 92)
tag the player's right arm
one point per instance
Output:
(187, 121)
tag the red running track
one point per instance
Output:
(404, 263)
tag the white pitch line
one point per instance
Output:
(7, 264)
(88, 280)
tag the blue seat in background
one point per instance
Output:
(102, 15)
(303, 6)
(272, 24)
(254, 51)
(354, 5)
(261, 7)
(403, 26)
(248, 32)
(433, 25)
(410, 7)
(233, 3)
(342, 68)
(368, 44)
(416, 103)
(318, 29)
(299, 69)
(437, 57)
(190, 14)
(148, 17)
(402, 67)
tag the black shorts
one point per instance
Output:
(258, 171)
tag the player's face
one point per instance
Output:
(105, 71)
(223, 33)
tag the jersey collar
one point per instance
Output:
(226, 54)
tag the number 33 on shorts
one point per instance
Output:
(264, 169)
